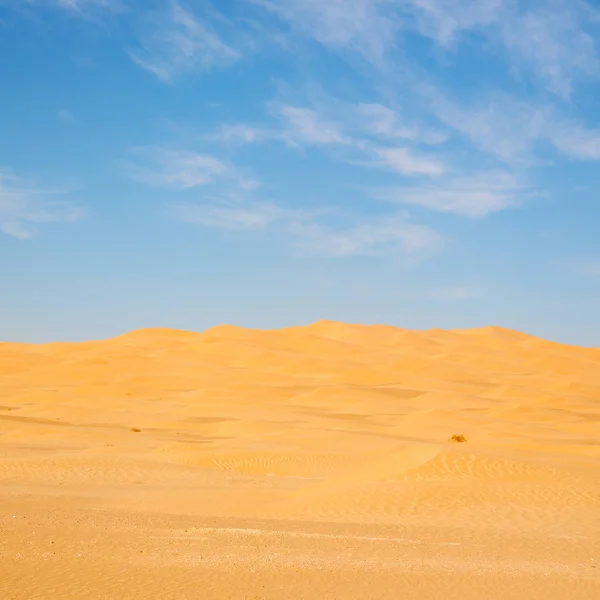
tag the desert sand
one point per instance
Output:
(303, 463)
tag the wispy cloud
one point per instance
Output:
(512, 129)
(445, 20)
(174, 168)
(24, 206)
(238, 215)
(240, 134)
(359, 134)
(177, 42)
(500, 125)
(392, 235)
(358, 25)
(406, 162)
(473, 196)
(305, 126)
(551, 40)
(380, 121)
(575, 140)
(320, 233)
(84, 5)
(86, 9)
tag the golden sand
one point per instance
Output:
(304, 463)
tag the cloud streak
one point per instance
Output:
(473, 196)
(513, 129)
(551, 40)
(24, 206)
(316, 233)
(406, 162)
(177, 42)
(174, 168)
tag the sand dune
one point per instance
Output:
(307, 462)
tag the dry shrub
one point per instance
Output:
(135, 429)
(458, 438)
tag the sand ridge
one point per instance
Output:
(342, 428)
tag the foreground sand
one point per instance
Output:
(309, 463)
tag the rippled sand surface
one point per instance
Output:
(305, 463)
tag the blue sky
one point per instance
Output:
(422, 163)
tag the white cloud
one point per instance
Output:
(79, 8)
(178, 42)
(575, 140)
(406, 162)
(329, 123)
(240, 134)
(358, 25)
(317, 233)
(305, 126)
(445, 20)
(474, 196)
(383, 122)
(83, 5)
(24, 206)
(393, 235)
(511, 129)
(176, 169)
(299, 126)
(240, 216)
(551, 39)
(547, 38)
(500, 125)
(355, 131)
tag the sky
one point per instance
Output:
(267, 163)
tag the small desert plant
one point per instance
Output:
(459, 438)
(135, 429)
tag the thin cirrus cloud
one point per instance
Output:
(406, 162)
(383, 122)
(332, 121)
(553, 41)
(24, 206)
(316, 233)
(77, 8)
(322, 232)
(295, 125)
(305, 126)
(237, 215)
(175, 168)
(395, 234)
(83, 5)
(473, 196)
(176, 42)
(359, 25)
(358, 134)
(342, 123)
(512, 129)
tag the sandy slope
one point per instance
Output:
(309, 462)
